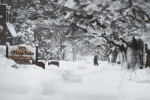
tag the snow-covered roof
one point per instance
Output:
(12, 29)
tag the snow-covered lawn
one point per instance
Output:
(72, 81)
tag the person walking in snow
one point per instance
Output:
(95, 60)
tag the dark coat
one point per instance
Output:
(96, 60)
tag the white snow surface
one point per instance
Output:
(12, 29)
(72, 81)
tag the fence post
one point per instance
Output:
(7, 50)
(36, 59)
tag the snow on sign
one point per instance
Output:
(21, 55)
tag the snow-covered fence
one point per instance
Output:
(40, 64)
(53, 63)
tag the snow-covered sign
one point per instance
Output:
(21, 55)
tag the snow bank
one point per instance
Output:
(72, 81)
(2, 50)
(6, 62)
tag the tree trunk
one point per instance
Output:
(147, 64)
(74, 54)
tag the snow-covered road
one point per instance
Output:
(73, 81)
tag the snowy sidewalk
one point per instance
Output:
(73, 81)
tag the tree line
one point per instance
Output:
(57, 28)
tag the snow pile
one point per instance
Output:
(2, 50)
(72, 81)
(6, 62)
